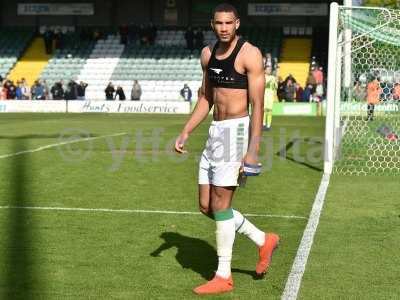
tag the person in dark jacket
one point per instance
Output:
(186, 93)
(281, 89)
(120, 93)
(57, 91)
(70, 92)
(81, 90)
(290, 91)
(11, 91)
(109, 91)
(307, 93)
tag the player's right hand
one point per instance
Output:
(180, 143)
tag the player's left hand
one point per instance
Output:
(250, 159)
(250, 166)
(180, 143)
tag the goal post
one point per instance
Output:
(363, 94)
(331, 88)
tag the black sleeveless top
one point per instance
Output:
(222, 73)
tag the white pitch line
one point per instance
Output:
(59, 144)
(293, 282)
(137, 211)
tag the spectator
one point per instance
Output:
(318, 75)
(81, 90)
(281, 89)
(307, 93)
(268, 60)
(359, 92)
(18, 91)
(299, 92)
(25, 89)
(71, 91)
(57, 91)
(396, 91)
(6, 85)
(290, 91)
(3, 92)
(290, 77)
(136, 92)
(275, 66)
(11, 91)
(199, 39)
(186, 93)
(311, 80)
(189, 37)
(373, 93)
(109, 91)
(120, 93)
(37, 91)
(1, 79)
(46, 89)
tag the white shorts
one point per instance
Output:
(226, 146)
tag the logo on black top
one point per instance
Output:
(216, 70)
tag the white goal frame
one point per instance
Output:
(339, 47)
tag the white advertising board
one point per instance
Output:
(76, 106)
(32, 106)
(161, 107)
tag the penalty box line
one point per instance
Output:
(138, 211)
(60, 144)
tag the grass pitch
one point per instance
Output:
(52, 254)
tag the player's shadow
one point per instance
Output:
(193, 253)
(283, 152)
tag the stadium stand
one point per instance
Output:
(67, 62)
(267, 39)
(164, 68)
(100, 65)
(31, 64)
(13, 41)
(161, 69)
(295, 53)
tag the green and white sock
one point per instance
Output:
(225, 236)
(244, 226)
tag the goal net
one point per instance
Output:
(363, 109)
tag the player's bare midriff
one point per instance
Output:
(229, 103)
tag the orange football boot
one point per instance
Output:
(265, 252)
(217, 285)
